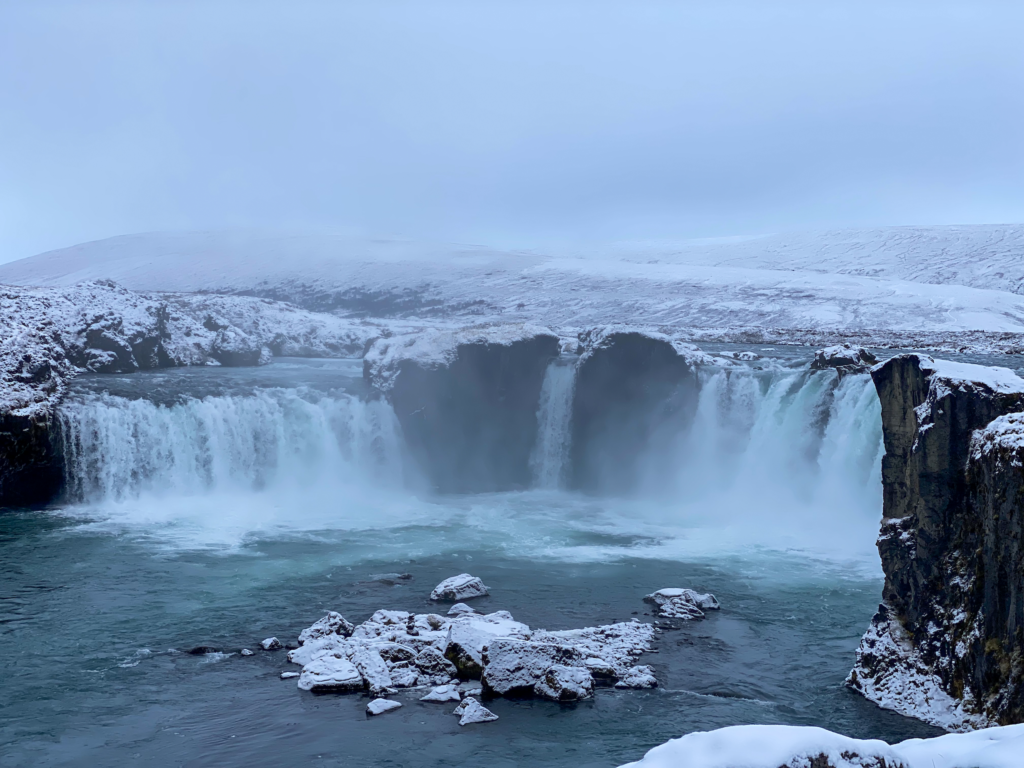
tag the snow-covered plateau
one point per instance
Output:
(944, 287)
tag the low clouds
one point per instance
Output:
(512, 123)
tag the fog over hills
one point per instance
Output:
(936, 279)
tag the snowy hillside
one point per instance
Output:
(940, 280)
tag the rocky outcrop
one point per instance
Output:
(947, 644)
(467, 401)
(843, 357)
(634, 391)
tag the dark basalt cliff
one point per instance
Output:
(947, 644)
(471, 422)
(634, 391)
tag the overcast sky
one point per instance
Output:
(511, 123)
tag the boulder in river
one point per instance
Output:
(331, 624)
(443, 693)
(681, 603)
(380, 706)
(472, 711)
(561, 683)
(461, 587)
(330, 673)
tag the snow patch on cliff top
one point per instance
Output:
(437, 347)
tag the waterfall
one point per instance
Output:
(550, 456)
(783, 450)
(116, 447)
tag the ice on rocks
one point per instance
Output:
(460, 609)
(380, 706)
(331, 624)
(675, 603)
(472, 711)
(271, 644)
(561, 683)
(443, 693)
(461, 587)
(330, 673)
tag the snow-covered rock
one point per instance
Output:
(330, 673)
(514, 666)
(372, 669)
(380, 706)
(289, 675)
(461, 587)
(246, 652)
(271, 644)
(641, 676)
(468, 635)
(843, 356)
(472, 711)
(679, 603)
(788, 746)
(331, 624)
(460, 609)
(443, 693)
(434, 668)
(398, 649)
(562, 683)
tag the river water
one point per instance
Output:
(221, 507)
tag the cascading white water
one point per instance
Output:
(780, 451)
(116, 448)
(550, 457)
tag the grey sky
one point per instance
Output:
(509, 123)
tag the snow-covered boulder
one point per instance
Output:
(434, 668)
(373, 670)
(514, 666)
(271, 644)
(843, 356)
(472, 711)
(641, 676)
(404, 674)
(561, 683)
(442, 693)
(331, 624)
(468, 635)
(460, 609)
(330, 673)
(461, 587)
(380, 706)
(609, 650)
(676, 603)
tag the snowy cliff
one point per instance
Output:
(947, 643)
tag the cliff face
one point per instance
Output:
(634, 391)
(946, 645)
(467, 401)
